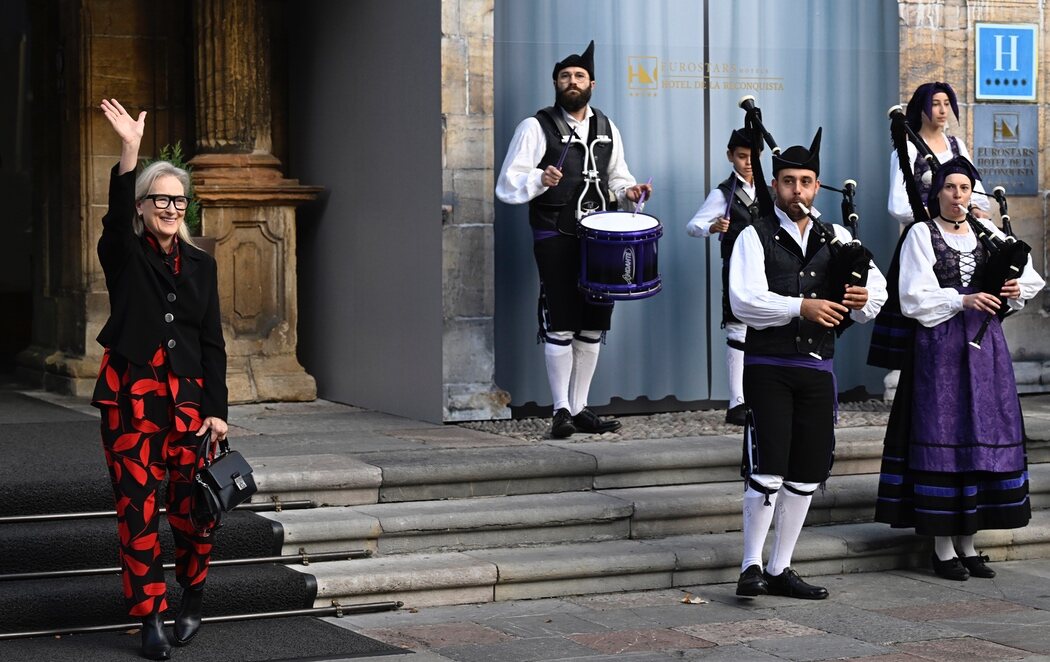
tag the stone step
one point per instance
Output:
(715, 507)
(425, 474)
(433, 526)
(488, 575)
(537, 519)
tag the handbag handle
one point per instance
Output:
(202, 450)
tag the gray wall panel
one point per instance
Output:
(365, 107)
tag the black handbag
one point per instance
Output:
(219, 485)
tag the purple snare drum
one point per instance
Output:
(618, 256)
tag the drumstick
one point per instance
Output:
(729, 204)
(641, 198)
(565, 150)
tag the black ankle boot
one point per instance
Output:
(155, 645)
(188, 620)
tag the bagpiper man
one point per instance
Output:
(780, 286)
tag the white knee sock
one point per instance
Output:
(559, 367)
(757, 518)
(964, 545)
(943, 548)
(584, 363)
(736, 332)
(735, 371)
(790, 516)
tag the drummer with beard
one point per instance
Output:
(572, 327)
(780, 286)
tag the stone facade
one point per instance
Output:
(140, 53)
(467, 213)
(136, 51)
(937, 43)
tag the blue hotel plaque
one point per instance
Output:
(1006, 58)
(1006, 147)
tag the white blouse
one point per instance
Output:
(922, 298)
(898, 201)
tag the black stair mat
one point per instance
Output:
(46, 604)
(299, 638)
(92, 543)
(55, 467)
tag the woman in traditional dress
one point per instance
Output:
(927, 115)
(162, 384)
(954, 457)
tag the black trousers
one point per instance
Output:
(793, 413)
(562, 306)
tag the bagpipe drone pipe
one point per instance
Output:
(850, 260)
(1007, 257)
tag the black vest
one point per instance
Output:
(555, 209)
(946, 264)
(740, 216)
(793, 274)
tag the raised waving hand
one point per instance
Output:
(128, 128)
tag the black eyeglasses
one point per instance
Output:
(161, 201)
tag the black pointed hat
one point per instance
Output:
(798, 156)
(584, 60)
(955, 165)
(738, 138)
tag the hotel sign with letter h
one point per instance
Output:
(1006, 58)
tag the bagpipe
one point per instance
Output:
(1007, 257)
(899, 124)
(850, 260)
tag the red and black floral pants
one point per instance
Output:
(149, 416)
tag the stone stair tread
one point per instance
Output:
(573, 568)
(436, 465)
(427, 473)
(291, 473)
(442, 515)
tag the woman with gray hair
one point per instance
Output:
(162, 382)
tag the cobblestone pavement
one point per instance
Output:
(675, 424)
(895, 616)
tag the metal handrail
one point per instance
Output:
(262, 506)
(335, 609)
(302, 558)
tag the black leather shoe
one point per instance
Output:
(951, 569)
(155, 644)
(790, 585)
(588, 421)
(976, 566)
(562, 426)
(751, 582)
(737, 415)
(188, 620)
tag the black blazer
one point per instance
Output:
(150, 307)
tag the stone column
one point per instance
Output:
(248, 205)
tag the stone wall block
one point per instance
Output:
(476, 18)
(468, 141)
(473, 194)
(467, 256)
(450, 11)
(109, 58)
(479, 76)
(453, 76)
(469, 355)
(118, 18)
